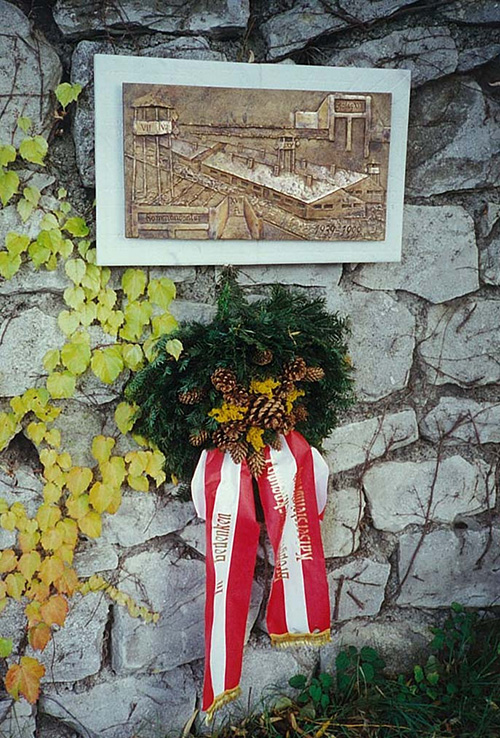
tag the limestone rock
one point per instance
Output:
(29, 70)
(303, 275)
(490, 262)
(461, 420)
(357, 589)
(428, 52)
(95, 557)
(340, 529)
(19, 721)
(82, 72)
(402, 493)
(26, 339)
(439, 259)
(461, 345)
(480, 11)
(173, 586)
(218, 18)
(476, 56)
(308, 19)
(195, 536)
(143, 516)
(23, 486)
(13, 625)
(358, 443)
(449, 568)
(75, 650)
(382, 341)
(78, 425)
(116, 706)
(456, 151)
(400, 643)
(186, 311)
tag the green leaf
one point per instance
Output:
(457, 607)
(161, 292)
(61, 385)
(16, 243)
(433, 678)
(34, 149)
(134, 283)
(74, 297)
(68, 322)
(161, 324)
(102, 447)
(326, 680)
(124, 415)
(75, 357)
(67, 93)
(107, 363)
(38, 253)
(92, 279)
(5, 647)
(75, 269)
(9, 264)
(32, 195)
(87, 313)
(76, 226)
(418, 673)
(368, 654)
(24, 123)
(132, 356)
(9, 184)
(7, 155)
(315, 692)
(368, 672)
(49, 222)
(298, 681)
(174, 348)
(24, 208)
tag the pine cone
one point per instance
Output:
(276, 443)
(238, 451)
(300, 413)
(190, 397)
(295, 370)
(266, 412)
(263, 357)
(224, 380)
(233, 430)
(238, 396)
(198, 439)
(314, 374)
(220, 439)
(285, 388)
(256, 463)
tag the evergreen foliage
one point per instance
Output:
(286, 325)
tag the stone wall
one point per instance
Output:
(412, 520)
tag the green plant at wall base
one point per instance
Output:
(38, 569)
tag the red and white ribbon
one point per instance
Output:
(293, 496)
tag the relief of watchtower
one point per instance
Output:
(340, 106)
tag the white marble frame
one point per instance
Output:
(114, 249)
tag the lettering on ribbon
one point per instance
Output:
(221, 532)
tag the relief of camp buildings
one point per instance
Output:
(309, 191)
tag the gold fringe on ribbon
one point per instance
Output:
(285, 640)
(222, 699)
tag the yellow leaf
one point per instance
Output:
(36, 432)
(102, 447)
(24, 679)
(75, 357)
(100, 496)
(107, 363)
(138, 461)
(29, 563)
(137, 315)
(48, 457)
(38, 591)
(74, 297)
(47, 516)
(140, 484)
(155, 467)
(52, 539)
(54, 611)
(55, 475)
(88, 313)
(75, 269)
(8, 561)
(161, 292)
(174, 348)
(77, 507)
(68, 322)
(107, 296)
(114, 321)
(9, 264)
(64, 460)
(15, 584)
(8, 520)
(69, 530)
(4, 505)
(92, 278)
(134, 283)
(116, 501)
(161, 324)
(9, 426)
(38, 636)
(78, 479)
(66, 552)
(32, 612)
(132, 356)
(91, 524)
(51, 568)
(53, 437)
(113, 471)
(19, 406)
(124, 416)
(68, 582)
(34, 149)
(51, 359)
(9, 184)
(61, 385)
(28, 540)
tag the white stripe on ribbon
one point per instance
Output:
(227, 500)
(285, 468)
(198, 487)
(321, 472)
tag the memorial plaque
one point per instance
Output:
(194, 160)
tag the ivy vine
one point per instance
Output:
(38, 570)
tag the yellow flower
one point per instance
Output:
(264, 387)
(228, 412)
(291, 397)
(254, 437)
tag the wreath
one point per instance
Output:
(260, 369)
